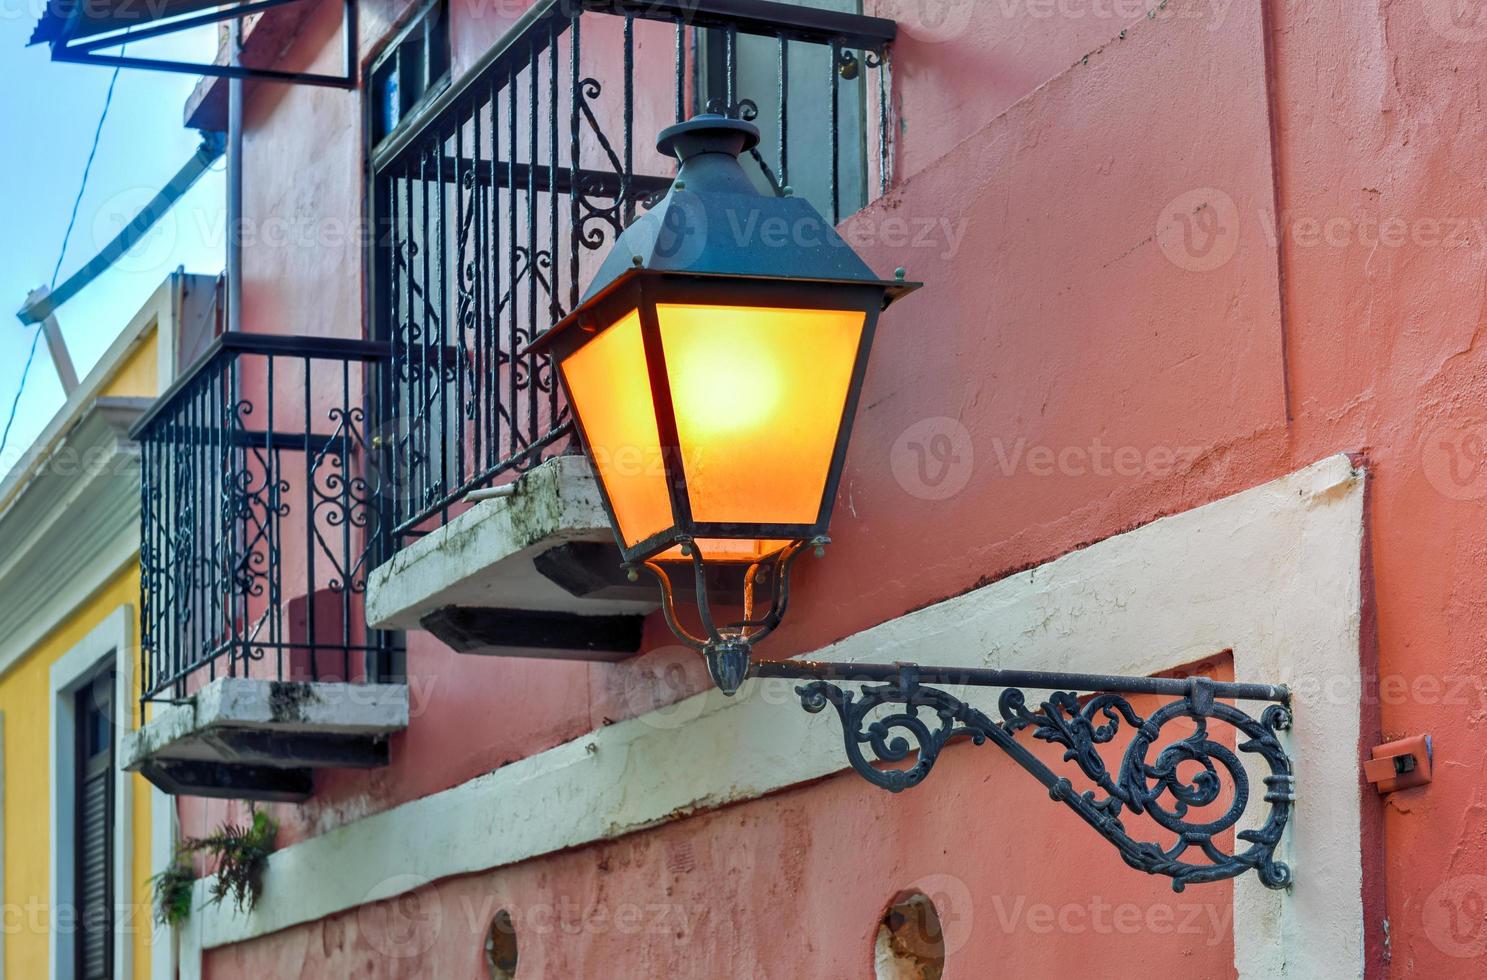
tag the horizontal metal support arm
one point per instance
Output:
(1195, 787)
(1043, 680)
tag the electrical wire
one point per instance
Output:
(5, 437)
(62, 254)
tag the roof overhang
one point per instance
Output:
(94, 32)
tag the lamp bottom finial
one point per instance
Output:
(728, 663)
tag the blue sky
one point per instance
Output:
(48, 113)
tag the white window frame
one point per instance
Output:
(112, 640)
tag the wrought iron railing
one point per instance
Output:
(495, 203)
(261, 514)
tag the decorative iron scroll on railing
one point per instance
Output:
(1193, 786)
(494, 205)
(261, 514)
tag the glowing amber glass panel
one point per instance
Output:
(758, 394)
(610, 389)
(727, 549)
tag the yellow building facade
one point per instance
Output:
(69, 613)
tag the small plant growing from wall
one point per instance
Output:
(173, 890)
(238, 854)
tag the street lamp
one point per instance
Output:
(714, 367)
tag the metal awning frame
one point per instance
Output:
(86, 51)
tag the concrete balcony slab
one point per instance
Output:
(532, 572)
(245, 738)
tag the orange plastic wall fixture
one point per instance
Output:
(1400, 765)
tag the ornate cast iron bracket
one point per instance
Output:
(931, 718)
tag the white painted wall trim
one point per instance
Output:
(1275, 573)
(111, 639)
(163, 832)
(2, 840)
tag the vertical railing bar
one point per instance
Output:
(183, 580)
(534, 124)
(628, 179)
(188, 492)
(172, 497)
(160, 642)
(477, 285)
(183, 493)
(166, 560)
(389, 413)
(836, 131)
(145, 678)
(278, 486)
(425, 311)
(681, 69)
(274, 531)
(883, 116)
(311, 628)
(575, 152)
(511, 281)
(784, 111)
(164, 537)
(170, 514)
(187, 558)
(201, 484)
(346, 552)
(210, 478)
(227, 501)
(494, 379)
(730, 69)
(199, 542)
(206, 582)
(463, 305)
(216, 474)
(442, 391)
(165, 644)
(554, 287)
(148, 594)
(160, 645)
(402, 351)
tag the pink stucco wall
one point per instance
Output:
(794, 886)
(1101, 352)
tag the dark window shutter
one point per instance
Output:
(94, 795)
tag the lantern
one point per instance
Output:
(713, 368)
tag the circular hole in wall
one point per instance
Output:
(500, 946)
(910, 944)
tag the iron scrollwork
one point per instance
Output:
(1164, 787)
(727, 647)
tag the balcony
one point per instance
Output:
(494, 205)
(261, 513)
